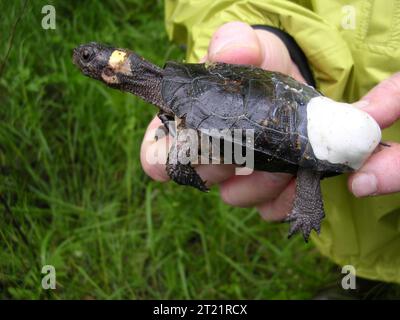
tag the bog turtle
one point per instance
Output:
(295, 128)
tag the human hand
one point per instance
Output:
(381, 173)
(272, 193)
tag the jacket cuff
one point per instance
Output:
(296, 54)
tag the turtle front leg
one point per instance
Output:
(308, 209)
(183, 173)
(168, 124)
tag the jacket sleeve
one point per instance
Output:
(193, 22)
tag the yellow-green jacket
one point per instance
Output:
(350, 48)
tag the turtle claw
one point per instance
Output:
(304, 222)
(183, 173)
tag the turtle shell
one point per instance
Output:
(212, 97)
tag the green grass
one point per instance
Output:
(71, 176)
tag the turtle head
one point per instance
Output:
(121, 69)
(93, 59)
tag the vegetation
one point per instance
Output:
(73, 194)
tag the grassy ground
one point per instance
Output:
(78, 198)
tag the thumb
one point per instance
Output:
(238, 43)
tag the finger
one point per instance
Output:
(278, 209)
(235, 42)
(275, 56)
(154, 153)
(258, 187)
(379, 175)
(383, 101)
(215, 173)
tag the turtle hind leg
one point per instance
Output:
(308, 208)
(183, 173)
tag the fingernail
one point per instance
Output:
(266, 212)
(364, 184)
(224, 44)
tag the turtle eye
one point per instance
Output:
(87, 55)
